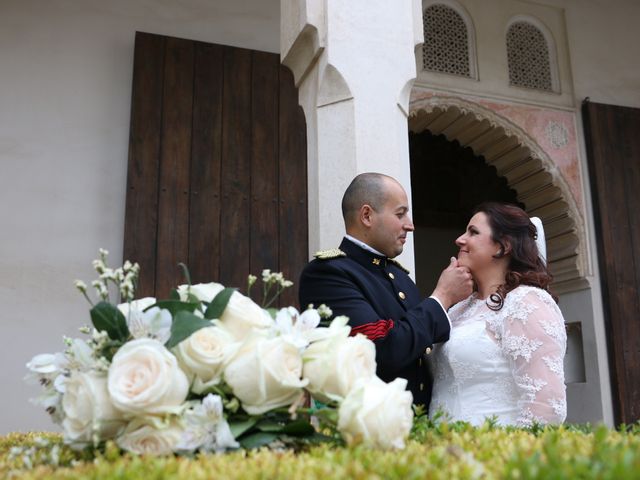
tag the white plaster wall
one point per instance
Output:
(65, 88)
(603, 38)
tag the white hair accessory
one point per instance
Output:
(540, 242)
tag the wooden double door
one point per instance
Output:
(613, 150)
(217, 166)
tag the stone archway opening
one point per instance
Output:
(487, 158)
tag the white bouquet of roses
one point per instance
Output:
(210, 370)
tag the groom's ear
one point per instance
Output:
(366, 214)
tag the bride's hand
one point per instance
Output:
(455, 284)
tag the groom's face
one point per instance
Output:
(391, 222)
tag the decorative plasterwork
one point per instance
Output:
(528, 168)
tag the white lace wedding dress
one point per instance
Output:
(506, 363)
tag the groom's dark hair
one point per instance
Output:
(367, 188)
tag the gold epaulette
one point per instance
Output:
(328, 254)
(398, 264)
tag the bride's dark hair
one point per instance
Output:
(511, 225)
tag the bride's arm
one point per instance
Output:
(535, 341)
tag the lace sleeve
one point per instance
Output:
(534, 339)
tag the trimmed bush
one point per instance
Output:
(442, 451)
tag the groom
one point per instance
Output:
(362, 281)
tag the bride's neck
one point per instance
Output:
(489, 280)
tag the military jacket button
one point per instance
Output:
(402, 295)
(421, 386)
(391, 276)
(427, 350)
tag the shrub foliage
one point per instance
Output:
(438, 450)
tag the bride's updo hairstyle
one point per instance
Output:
(511, 225)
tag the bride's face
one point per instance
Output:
(477, 249)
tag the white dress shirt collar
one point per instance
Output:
(361, 244)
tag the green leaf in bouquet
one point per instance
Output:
(238, 427)
(270, 426)
(273, 312)
(191, 298)
(219, 303)
(174, 295)
(257, 440)
(327, 416)
(184, 324)
(174, 306)
(106, 317)
(299, 428)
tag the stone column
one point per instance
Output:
(354, 64)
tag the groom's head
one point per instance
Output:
(375, 209)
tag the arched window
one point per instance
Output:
(449, 40)
(531, 55)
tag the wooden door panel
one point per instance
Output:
(264, 161)
(217, 166)
(236, 168)
(173, 197)
(206, 161)
(613, 148)
(141, 217)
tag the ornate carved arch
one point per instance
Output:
(528, 169)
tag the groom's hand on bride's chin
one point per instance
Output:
(455, 284)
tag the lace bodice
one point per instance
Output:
(506, 363)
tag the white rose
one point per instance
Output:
(203, 355)
(205, 292)
(150, 436)
(265, 374)
(377, 414)
(144, 377)
(334, 365)
(242, 317)
(88, 409)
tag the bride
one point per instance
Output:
(504, 358)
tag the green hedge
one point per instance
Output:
(443, 451)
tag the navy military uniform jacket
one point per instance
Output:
(384, 304)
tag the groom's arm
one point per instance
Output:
(401, 336)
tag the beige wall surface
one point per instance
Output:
(603, 37)
(65, 87)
